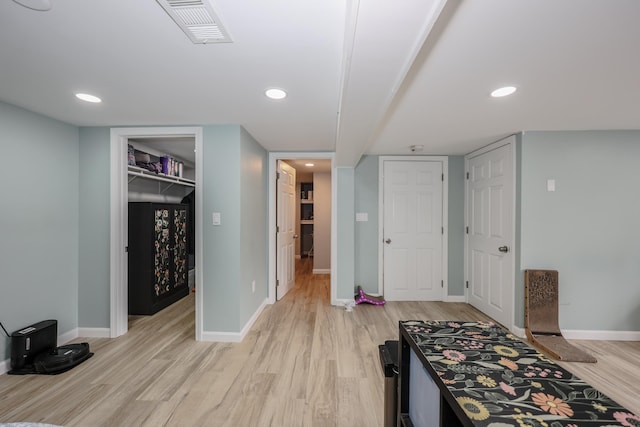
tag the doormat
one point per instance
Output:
(541, 317)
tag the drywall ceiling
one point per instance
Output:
(362, 76)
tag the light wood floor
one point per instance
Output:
(304, 363)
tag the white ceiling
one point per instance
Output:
(372, 76)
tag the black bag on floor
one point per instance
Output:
(61, 359)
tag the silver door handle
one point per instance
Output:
(295, 236)
(504, 249)
(387, 241)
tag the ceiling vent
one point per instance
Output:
(197, 19)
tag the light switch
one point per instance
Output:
(551, 185)
(362, 217)
(216, 218)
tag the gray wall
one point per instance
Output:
(38, 221)
(588, 228)
(455, 233)
(322, 221)
(366, 233)
(345, 269)
(234, 252)
(253, 256)
(94, 286)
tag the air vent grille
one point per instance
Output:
(197, 19)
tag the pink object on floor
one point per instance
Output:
(362, 297)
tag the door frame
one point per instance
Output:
(118, 239)
(509, 140)
(445, 216)
(272, 169)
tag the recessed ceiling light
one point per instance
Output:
(309, 164)
(88, 98)
(503, 91)
(275, 93)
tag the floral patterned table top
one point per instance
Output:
(498, 380)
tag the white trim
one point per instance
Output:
(445, 216)
(5, 365)
(517, 331)
(576, 334)
(119, 217)
(572, 334)
(344, 302)
(509, 140)
(234, 336)
(118, 259)
(455, 298)
(272, 215)
(94, 332)
(67, 336)
(321, 271)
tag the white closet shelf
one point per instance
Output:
(306, 221)
(136, 172)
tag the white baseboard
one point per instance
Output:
(67, 336)
(575, 334)
(455, 298)
(234, 336)
(94, 332)
(518, 331)
(341, 302)
(321, 271)
(4, 366)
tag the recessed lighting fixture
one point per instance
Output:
(309, 165)
(88, 98)
(503, 91)
(275, 93)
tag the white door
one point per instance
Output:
(412, 230)
(490, 204)
(286, 208)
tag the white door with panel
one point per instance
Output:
(412, 230)
(490, 204)
(286, 222)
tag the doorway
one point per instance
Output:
(313, 235)
(490, 217)
(119, 141)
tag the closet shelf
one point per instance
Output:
(136, 172)
(306, 221)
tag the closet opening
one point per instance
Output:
(161, 225)
(155, 240)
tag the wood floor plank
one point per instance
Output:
(303, 363)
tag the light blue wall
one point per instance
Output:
(38, 221)
(366, 233)
(221, 243)
(588, 228)
(253, 228)
(455, 235)
(346, 233)
(94, 286)
(234, 252)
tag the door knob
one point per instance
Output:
(504, 249)
(295, 236)
(387, 241)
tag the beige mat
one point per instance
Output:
(541, 317)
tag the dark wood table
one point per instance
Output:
(483, 375)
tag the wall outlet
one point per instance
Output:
(253, 286)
